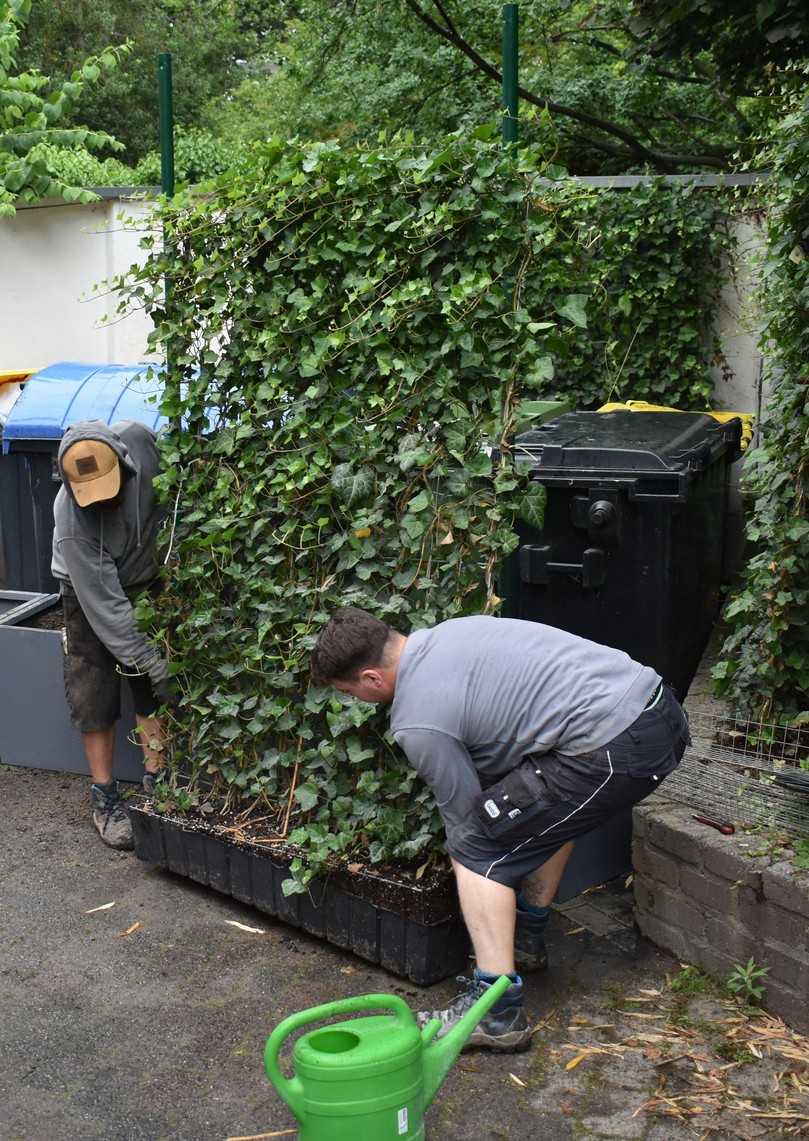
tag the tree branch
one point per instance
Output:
(448, 33)
(622, 153)
(602, 45)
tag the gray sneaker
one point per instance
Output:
(110, 817)
(504, 1029)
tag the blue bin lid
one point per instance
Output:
(67, 392)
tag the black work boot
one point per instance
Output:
(110, 817)
(504, 1029)
(530, 952)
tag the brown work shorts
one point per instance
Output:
(93, 676)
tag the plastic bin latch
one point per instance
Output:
(599, 514)
(536, 567)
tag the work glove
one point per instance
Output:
(167, 692)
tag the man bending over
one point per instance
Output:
(528, 737)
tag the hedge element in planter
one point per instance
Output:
(364, 324)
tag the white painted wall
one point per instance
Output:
(737, 324)
(53, 258)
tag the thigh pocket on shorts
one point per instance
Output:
(513, 801)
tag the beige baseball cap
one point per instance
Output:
(92, 470)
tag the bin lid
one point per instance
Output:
(68, 392)
(621, 443)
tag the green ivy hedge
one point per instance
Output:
(364, 323)
(765, 659)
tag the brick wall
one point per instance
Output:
(702, 896)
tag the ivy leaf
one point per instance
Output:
(306, 796)
(531, 508)
(574, 309)
(352, 486)
(540, 371)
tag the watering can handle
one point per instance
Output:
(290, 1090)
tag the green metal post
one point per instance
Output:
(166, 123)
(510, 71)
(167, 177)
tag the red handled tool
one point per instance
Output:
(725, 829)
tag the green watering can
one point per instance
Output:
(369, 1079)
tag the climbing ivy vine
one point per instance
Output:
(765, 658)
(350, 333)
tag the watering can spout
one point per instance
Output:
(442, 1052)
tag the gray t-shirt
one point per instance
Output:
(475, 695)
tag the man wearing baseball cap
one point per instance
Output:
(107, 522)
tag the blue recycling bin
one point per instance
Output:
(51, 401)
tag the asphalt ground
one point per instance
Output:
(147, 1021)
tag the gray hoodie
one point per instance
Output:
(105, 552)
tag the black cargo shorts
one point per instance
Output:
(567, 796)
(93, 676)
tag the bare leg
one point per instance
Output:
(540, 887)
(150, 732)
(489, 910)
(98, 751)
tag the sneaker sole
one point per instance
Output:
(514, 1042)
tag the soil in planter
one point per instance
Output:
(51, 619)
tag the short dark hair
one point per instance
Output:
(352, 640)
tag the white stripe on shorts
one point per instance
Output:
(537, 835)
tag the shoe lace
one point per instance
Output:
(113, 809)
(117, 812)
(471, 990)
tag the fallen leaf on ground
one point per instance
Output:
(261, 1136)
(348, 970)
(103, 907)
(575, 931)
(517, 1081)
(354, 868)
(129, 930)
(244, 927)
(565, 1108)
(571, 1065)
(422, 869)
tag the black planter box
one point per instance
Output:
(413, 931)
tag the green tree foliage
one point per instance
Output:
(364, 322)
(198, 155)
(765, 665)
(204, 36)
(33, 109)
(605, 96)
(747, 42)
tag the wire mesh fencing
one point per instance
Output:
(746, 772)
